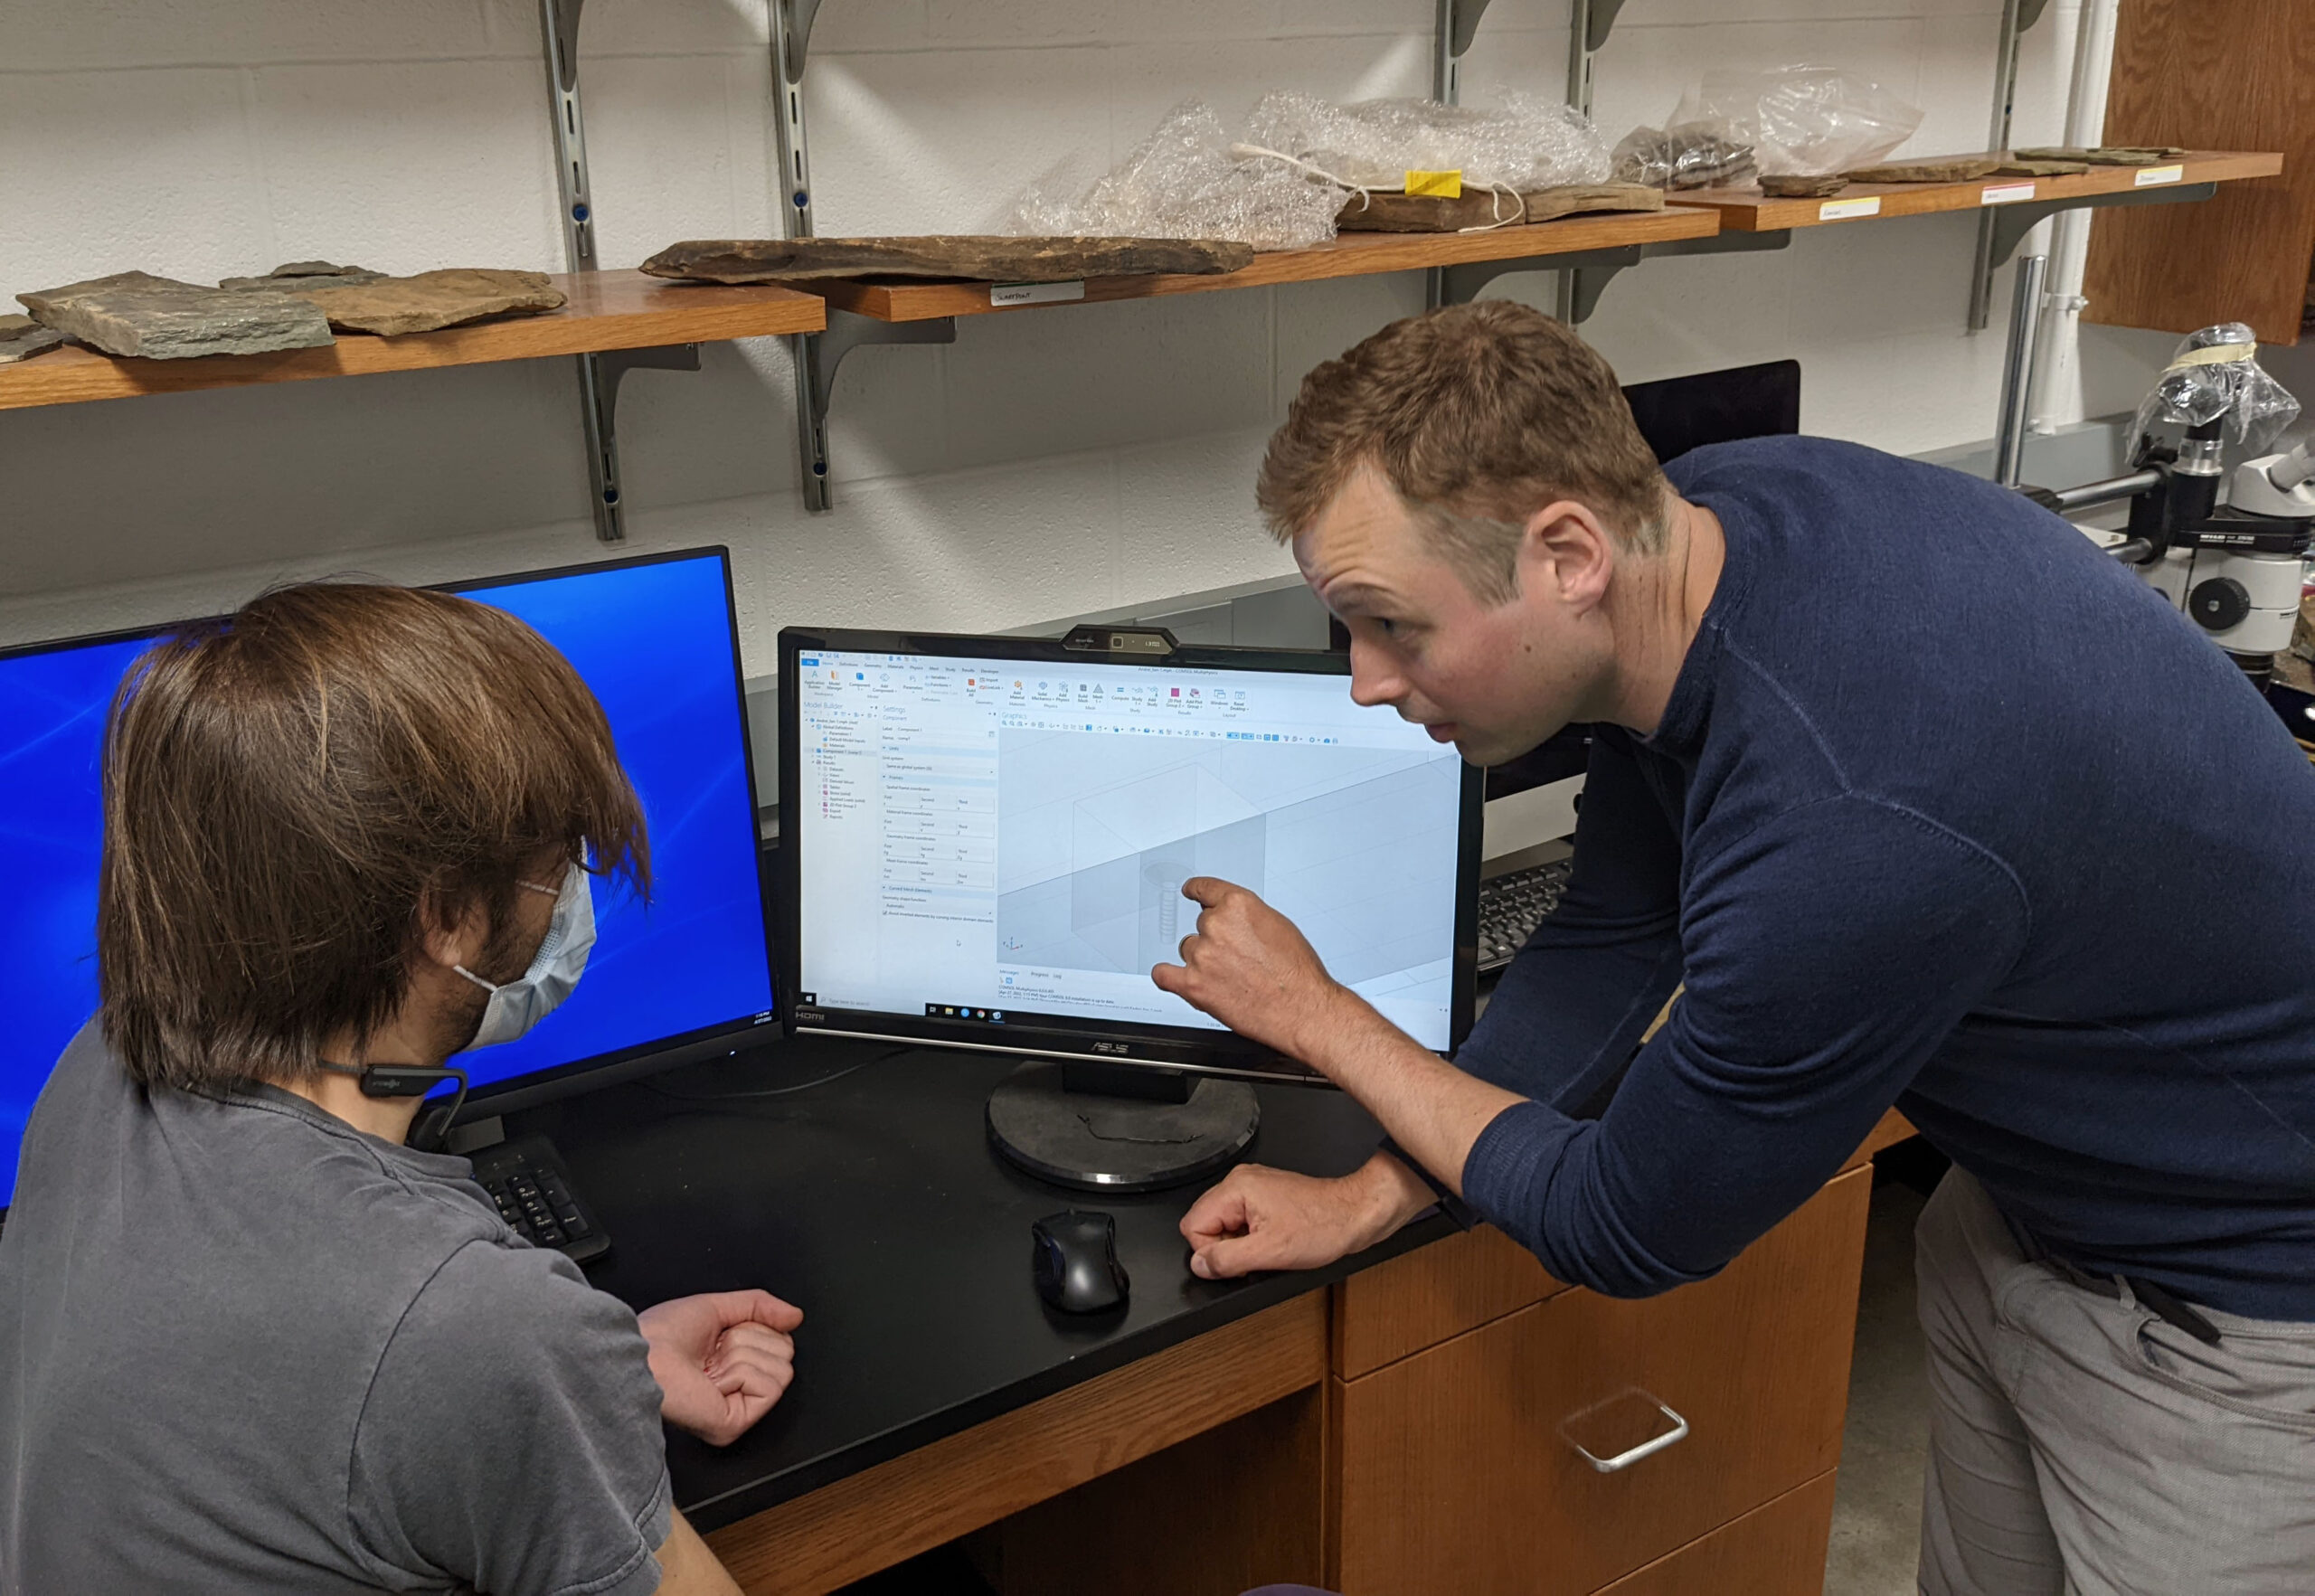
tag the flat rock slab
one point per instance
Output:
(133, 313)
(20, 337)
(393, 306)
(1793, 185)
(1394, 212)
(974, 258)
(2108, 154)
(1958, 169)
(307, 274)
(2021, 169)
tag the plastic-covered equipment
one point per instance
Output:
(1184, 183)
(1801, 120)
(1525, 144)
(2216, 374)
(1303, 158)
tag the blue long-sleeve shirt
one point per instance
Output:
(1948, 811)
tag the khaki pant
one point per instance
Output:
(2080, 1445)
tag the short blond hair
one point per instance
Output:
(1478, 416)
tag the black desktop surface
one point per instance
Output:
(873, 1201)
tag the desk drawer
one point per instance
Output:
(1777, 1549)
(1430, 1295)
(1458, 1470)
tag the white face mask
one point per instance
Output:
(561, 958)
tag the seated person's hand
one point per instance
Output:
(1259, 1218)
(722, 1359)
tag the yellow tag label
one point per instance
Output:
(1437, 185)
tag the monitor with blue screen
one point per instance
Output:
(656, 640)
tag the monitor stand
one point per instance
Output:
(1110, 1127)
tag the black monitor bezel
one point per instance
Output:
(1184, 1048)
(626, 1063)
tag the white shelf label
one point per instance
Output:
(1035, 293)
(2005, 193)
(1843, 210)
(2148, 176)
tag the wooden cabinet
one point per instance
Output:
(2223, 74)
(1458, 1466)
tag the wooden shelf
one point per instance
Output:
(1365, 254)
(1748, 209)
(607, 310)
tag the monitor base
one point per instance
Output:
(1101, 1142)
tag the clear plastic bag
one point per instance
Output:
(2214, 372)
(1679, 158)
(1525, 144)
(1183, 183)
(1804, 120)
(1303, 158)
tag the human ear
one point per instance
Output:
(1566, 553)
(455, 930)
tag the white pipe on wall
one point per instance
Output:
(2057, 396)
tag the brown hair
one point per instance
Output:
(1478, 416)
(294, 793)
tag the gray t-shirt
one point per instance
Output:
(245, 1347)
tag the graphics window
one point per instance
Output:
(1009, 838)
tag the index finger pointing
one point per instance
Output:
(1206, 889)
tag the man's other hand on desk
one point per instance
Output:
(722, 1359)
(1261, 1219)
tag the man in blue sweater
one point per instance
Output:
(1918, 799)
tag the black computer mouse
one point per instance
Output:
(1075, 1262)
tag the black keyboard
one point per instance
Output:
(1510, 906)
(526, 1179)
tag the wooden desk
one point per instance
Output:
(1399, 1432)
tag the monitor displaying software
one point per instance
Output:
(985, 840)
(655, 641)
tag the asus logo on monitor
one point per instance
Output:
(1117, 1047)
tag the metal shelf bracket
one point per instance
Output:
(2017, 17)
(818, 355)
(1464, 281)
(1458, 25)
(599, 381)
(1586, 275)
(598, 374)
(2007, 227)
(798, 33)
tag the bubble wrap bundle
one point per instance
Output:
(1807, 121)
(1183, 183)
(2199, 386)
(1529, 143)
(1189, 179)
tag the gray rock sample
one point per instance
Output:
(392, 305)
(1793, 185)
(134, 312)
(22, 338)
(300, 274)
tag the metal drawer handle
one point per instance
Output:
(1646, 1449)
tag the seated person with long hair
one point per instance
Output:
(251, 1339)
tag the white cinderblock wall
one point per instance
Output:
(1048, 463)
